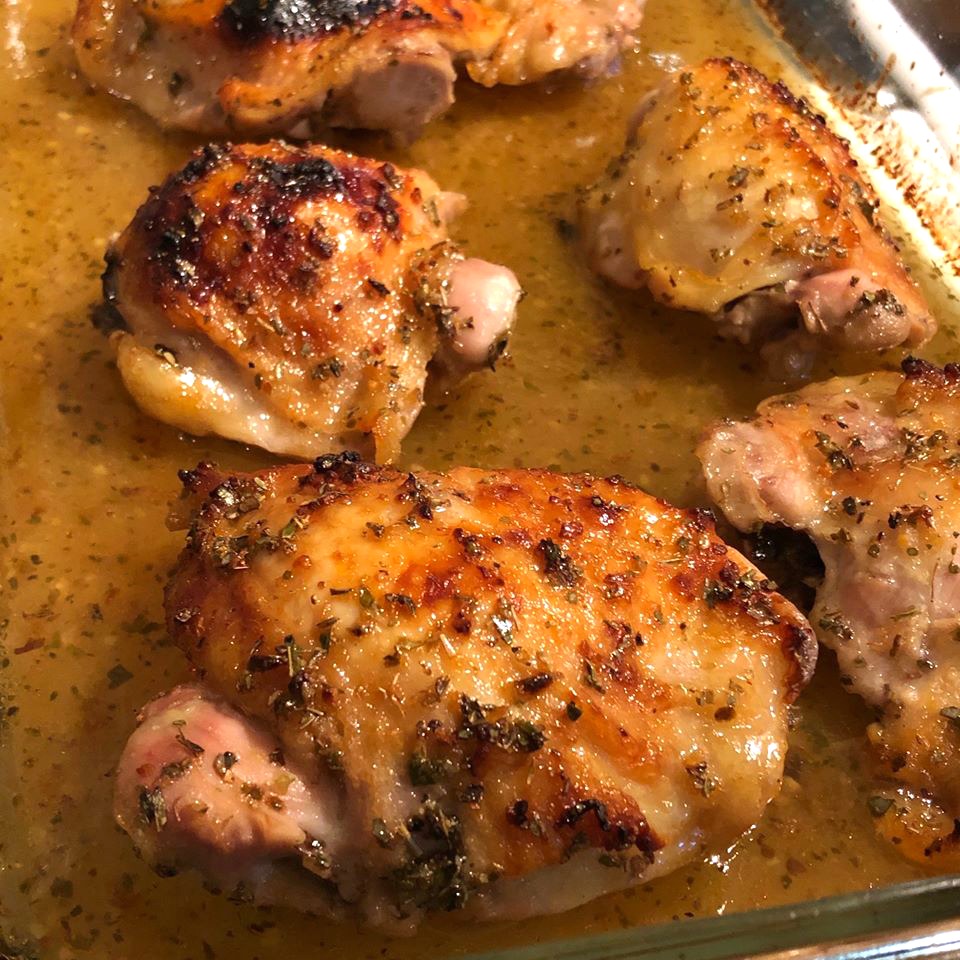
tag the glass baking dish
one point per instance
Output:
(890, 86)
(920, 919)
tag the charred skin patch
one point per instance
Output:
(923, 371)
(612, 823)
(106, 316)
(200, 481)
(344, 468)
(203, 162)
(250, 21)
(227, 223)
(800, 646)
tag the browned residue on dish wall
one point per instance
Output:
(892, 145)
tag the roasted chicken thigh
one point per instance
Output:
(256, 66)
(507, 692)
(869, 467)
(733, 199)
(294, 298)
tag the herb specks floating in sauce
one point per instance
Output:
(597, 379)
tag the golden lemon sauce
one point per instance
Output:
(597, 379)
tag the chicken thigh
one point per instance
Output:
(734, 200)
(546, 37)
(507, 692)
(261, 66)
(869, 467)
(293, 299)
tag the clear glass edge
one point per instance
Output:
(896, 910)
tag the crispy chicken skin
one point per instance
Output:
(869, 467)
(293, 299)
(508, 692)
(734, 200)
(266, 66)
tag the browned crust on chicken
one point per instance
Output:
(296, 293)
(715, 573)
(553, 663)
(251, 22)
(254, 197)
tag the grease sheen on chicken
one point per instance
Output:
(733, 199)
(507, 692)
(219, 66)
(294, 299)
(869, 467)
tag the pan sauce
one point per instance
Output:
(598, 380)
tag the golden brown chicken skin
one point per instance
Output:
(269, 66)
(869, 467)
(294, 298)
(508, 692)
(733, 199)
